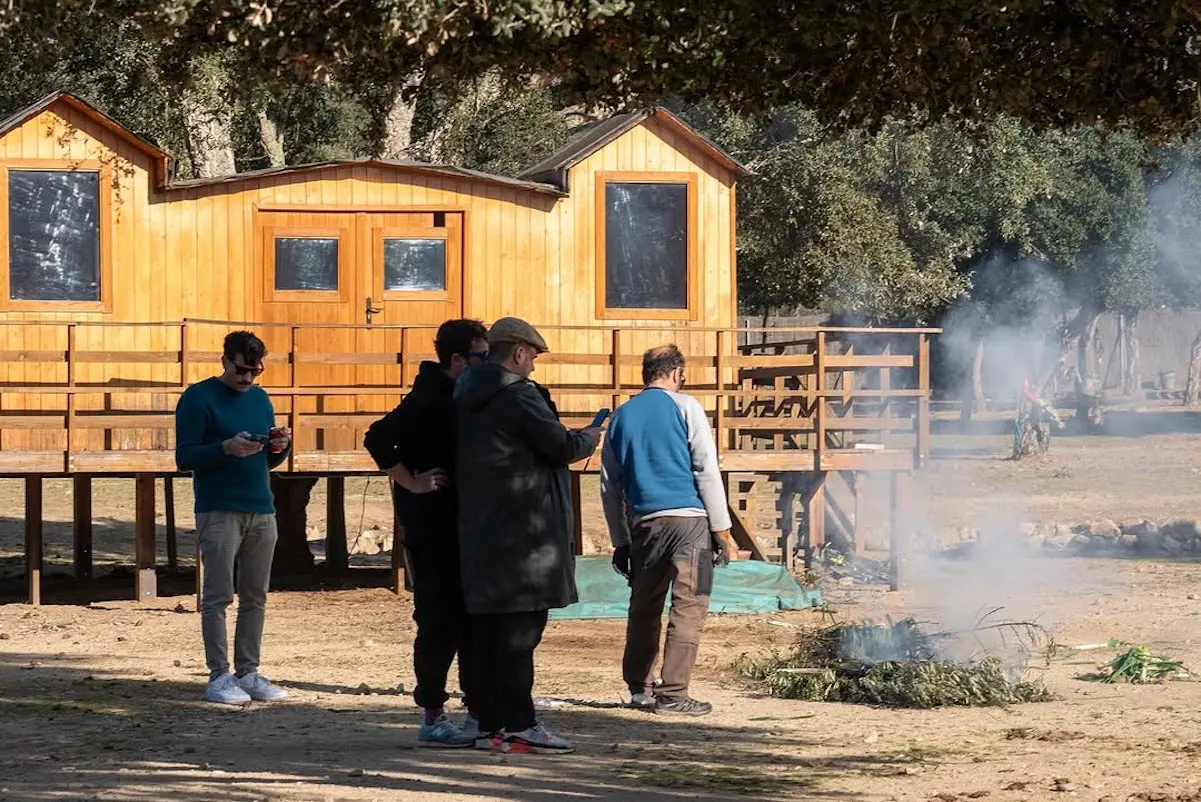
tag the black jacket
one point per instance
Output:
(420, 434)
(515, 514)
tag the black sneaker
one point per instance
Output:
(682, 707)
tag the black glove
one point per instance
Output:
(720, 556)
(621, 560)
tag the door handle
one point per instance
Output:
(370, 310)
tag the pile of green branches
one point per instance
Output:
(894, 665)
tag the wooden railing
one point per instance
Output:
(98, 398)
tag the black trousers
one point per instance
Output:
(504, 647)
(443, 626)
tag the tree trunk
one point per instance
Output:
(271, 139)
(397, 140)
(1088, 405)
(208, 119)
(1193, 389)
(292, 554)
(973, 394)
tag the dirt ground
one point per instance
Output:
(103, 701)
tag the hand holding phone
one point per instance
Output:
(600, 418)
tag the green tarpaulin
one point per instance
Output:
(743, 587)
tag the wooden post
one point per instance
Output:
(617, 394)
(859, 486)
(71, 399)
(33, 538)
(81, 501)
(294, 414)
(401, 576)
(172, 539)
(577, 514)
(815, 516)
(185, 360)
(720, 421)
(145, 580)
(336, 559)
(819, 409)
(898, 533)
(923, 402)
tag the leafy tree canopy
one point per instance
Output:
(854, 63)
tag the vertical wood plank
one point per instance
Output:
(71, 399)
(922, 453)
(897, 534)
(617, 395)
(859, 487)
(721, 401)
(819, 410)
(81, 501)
(172, 539)
(294, 403)
(145, 580)
(336, 559)
(33, 538)
(815, 517)
(577, 512)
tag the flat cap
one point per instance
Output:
(516, 330)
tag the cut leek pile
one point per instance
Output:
(1138, 665)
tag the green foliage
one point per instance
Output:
(1053, 64)
(892, 666)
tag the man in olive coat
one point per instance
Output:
(515, 529)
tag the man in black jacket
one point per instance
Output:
(415, 444)
(515, 529)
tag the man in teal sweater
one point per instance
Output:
(225, 436)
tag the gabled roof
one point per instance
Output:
(95, 115)
(591, 138)
(400, 165)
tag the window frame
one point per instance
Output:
(381, 233)
(104, 218)
(692, 274)
(344, 237)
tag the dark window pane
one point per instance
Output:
(53, 235)
(646, 246)
(415, 264)
(306, 263)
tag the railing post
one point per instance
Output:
(923, 402)
(294, 381)
(720, 362)
(71, 400)
(405, 346)
(819, 409)
(185, 360)
(617, 394)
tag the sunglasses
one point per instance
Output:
(242, 370)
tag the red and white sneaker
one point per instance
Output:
(537, 740)
(490, 741)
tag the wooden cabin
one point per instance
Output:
(117, 285)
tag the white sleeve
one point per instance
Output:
(704, 463)
(613, 498)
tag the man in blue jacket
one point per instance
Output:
(221, 427)
(668, 518)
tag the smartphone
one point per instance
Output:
(258, 438)
(600, 417)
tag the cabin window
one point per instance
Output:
(646, 248)
(54, 233)
(306, 263)
(414, 264)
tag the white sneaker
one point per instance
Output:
(226, 690)
(537, 740)
(261, 689)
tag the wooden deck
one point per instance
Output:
(818, 401)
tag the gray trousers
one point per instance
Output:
(247, 539)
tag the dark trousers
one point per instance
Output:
(673, 554)
(443, 626)
(504, 647)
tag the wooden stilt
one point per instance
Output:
(859, 486)
(33, 538)
(402, 577)
(898, 532)
(815, 517)
(145, 580)
(577, 514)
(337, 561)
(81, 501)
(172, 539)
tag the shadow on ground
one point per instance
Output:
(72, 733)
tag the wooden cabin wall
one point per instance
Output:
(193, 252)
